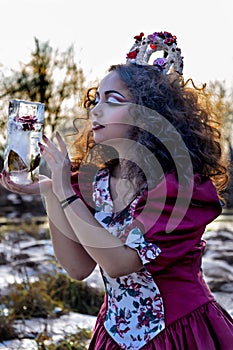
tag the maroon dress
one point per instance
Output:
(167, 305)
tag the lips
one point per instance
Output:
(97, 126)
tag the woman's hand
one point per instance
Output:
(60, 166)
(42, 186)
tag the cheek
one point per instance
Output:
(122, 125)
(119, 130)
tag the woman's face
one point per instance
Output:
(110, 116)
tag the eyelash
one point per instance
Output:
(108, 102)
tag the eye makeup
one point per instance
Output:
(112, 96)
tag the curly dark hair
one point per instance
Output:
(177, 124)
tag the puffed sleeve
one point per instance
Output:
(82, 183)
(147, 251)
(159, 247)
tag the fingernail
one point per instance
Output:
(45, 137)
(41, 147)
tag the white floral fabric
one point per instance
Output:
(135, 310)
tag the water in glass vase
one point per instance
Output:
(24, 131)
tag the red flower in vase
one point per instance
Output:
(28, 122)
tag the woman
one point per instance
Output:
(142, 217)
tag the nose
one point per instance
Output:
(97, 111)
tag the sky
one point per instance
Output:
(102, 32)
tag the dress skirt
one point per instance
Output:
(209, 327)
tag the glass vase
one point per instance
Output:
(24, 131)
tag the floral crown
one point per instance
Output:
(159, 41)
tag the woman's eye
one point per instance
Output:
(113, 100)
(109, 99)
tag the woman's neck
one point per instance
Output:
(117, 171)
(122, 189)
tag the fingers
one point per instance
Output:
(48, 143)
(6, 182)
(61, 143)
(5, 179)
(50, 150)
(55, 156)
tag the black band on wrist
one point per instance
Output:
(65, 202)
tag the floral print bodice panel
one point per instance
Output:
(135, 311)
